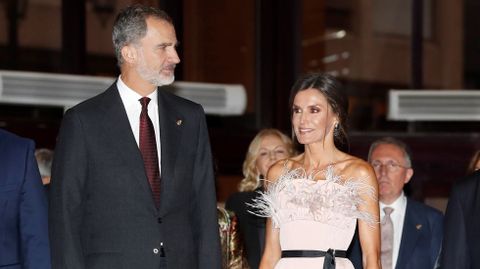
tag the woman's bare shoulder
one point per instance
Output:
(280, 167)
(357, 168)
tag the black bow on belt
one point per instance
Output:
(329, 261)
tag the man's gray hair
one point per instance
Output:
(130, 26)
(396, 142)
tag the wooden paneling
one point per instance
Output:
(218, 43)
(313, 35)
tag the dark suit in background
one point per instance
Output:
(421, 236)
(23, 206)
(461, 246)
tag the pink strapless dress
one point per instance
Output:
(313, 215)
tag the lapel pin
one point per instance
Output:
(419, 226)
(179, 122)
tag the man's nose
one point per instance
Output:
(383, 169)
(174, 57)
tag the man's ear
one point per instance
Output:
(408, 175)
(129, 54)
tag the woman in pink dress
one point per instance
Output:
(315, 200)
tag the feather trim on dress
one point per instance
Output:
(298, 196)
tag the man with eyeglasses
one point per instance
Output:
(411, 231)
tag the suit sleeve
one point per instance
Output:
(34, 217)
(66, 194)
(205, 212)
(455, 250)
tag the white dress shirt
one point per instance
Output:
(133, 107)
(398, 216)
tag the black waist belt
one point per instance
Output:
(330, 254)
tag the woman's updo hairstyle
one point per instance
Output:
(336, 97)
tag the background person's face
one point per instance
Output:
(271, 150)
(391, 178)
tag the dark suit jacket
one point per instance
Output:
(102, 211)
(461, 247)
(421, 237)
(252, 228)
(23, 206)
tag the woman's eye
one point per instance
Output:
(262, 153)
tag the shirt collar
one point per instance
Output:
(131, 97)
(397, 205)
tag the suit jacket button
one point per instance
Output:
(155, 251)
(159, 220)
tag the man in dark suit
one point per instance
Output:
(132, 183)
(411, 231)
(23, 206)
(461, 244)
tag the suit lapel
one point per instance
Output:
(412, 228)
(119, 131)
(171, 126)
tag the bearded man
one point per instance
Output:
(132, 183)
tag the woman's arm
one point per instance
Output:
(369, 232)
(272, 252)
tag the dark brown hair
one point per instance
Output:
(336, 97)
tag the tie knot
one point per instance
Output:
(388, 210)
(144, 101)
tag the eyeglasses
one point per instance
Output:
(391, 166)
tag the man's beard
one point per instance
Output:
(152, 76)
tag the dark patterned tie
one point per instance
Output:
(148, 148)
(387, 239)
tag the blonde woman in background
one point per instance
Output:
(266, 148)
